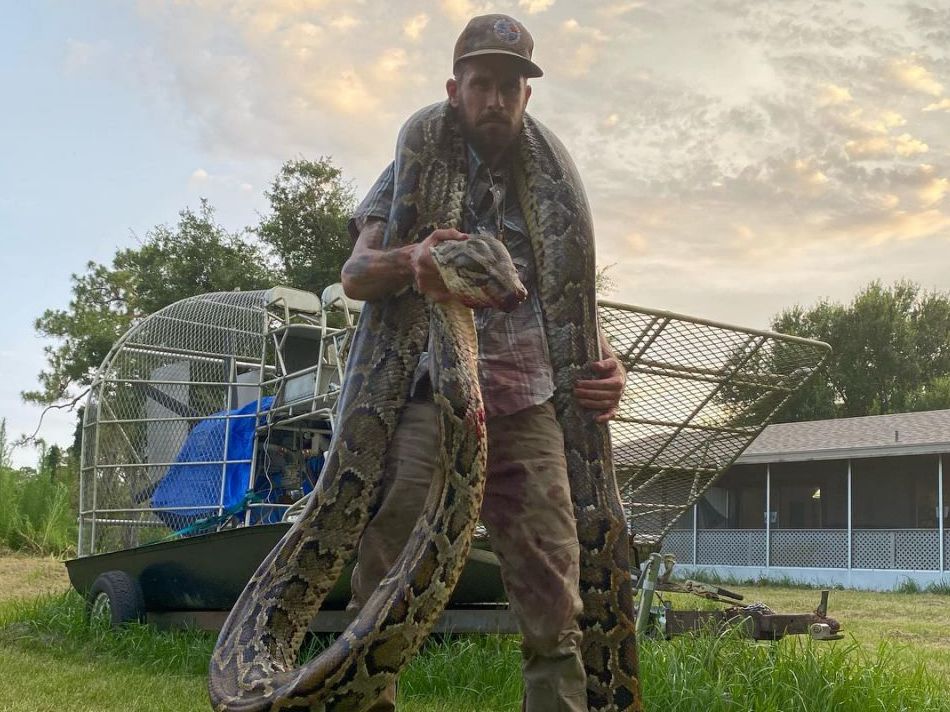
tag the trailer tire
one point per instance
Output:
(117, 598)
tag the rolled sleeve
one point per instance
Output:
(376, 204)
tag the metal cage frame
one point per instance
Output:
(194, 362)
(698, 394)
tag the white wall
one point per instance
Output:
(872, 580)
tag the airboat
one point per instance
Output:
(206, 425)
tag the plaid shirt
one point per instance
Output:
(513, 364)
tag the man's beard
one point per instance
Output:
(488, 144)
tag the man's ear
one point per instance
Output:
(452, 90)
(527, 93)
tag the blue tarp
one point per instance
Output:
(192, 485)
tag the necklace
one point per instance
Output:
(498, 194)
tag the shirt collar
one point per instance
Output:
(475, 162)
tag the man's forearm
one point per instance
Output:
(372, 272)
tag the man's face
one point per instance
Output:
(490, 95)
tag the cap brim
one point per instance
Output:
(532, 70)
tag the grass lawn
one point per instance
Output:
(896, 657)
(24, 576)
(918, 623)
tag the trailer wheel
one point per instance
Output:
(117, 598)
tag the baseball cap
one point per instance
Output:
(496, 34)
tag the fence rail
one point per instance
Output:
(895, 549)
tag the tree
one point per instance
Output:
(604, 283)
(890, 353)
(306, 226)
(193, 257)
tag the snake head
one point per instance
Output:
(479, 272)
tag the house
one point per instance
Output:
(860, 502)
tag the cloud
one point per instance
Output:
(414, 26)
(349, 93)
(878, 147)
(206, 183)
(463, 10)
(931, 22)
(582, 59)
(721, 143)
(582, 48)
(916, 77)
(831, 94)
(303, 37)
(942, 105)
(616, 9)
(574, 28)
(637, 243)
(533, 7)
(934, 191)
(860, 121)
(875, 227)
(344, 22)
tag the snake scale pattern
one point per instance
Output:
(254, 665)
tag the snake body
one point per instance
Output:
(254, 665)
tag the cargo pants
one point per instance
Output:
(528, 513)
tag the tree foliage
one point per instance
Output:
(890, 353)
(306, 226)
(301, 242)
(195, 256)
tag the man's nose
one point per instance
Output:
(495, 97)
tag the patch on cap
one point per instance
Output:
(507, 30)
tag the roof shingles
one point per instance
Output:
(896, 433)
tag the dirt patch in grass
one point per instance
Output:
(24, 576)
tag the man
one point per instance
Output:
(527, 507)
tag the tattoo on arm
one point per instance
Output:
(369, 241)
(372, 271)
(357, 265)
(372, 234)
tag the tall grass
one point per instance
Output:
(726, 673)
(906, 586)
(718, 673)
(35, 506)
(910, 586)
(35, 513)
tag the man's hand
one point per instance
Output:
(425, 274)
(603, 393)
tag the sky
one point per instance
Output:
(739, 156)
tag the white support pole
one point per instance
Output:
(850, 509)
(258, 442)
(768, 515)
(695, 522)
(940, 520)
(229, 408)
